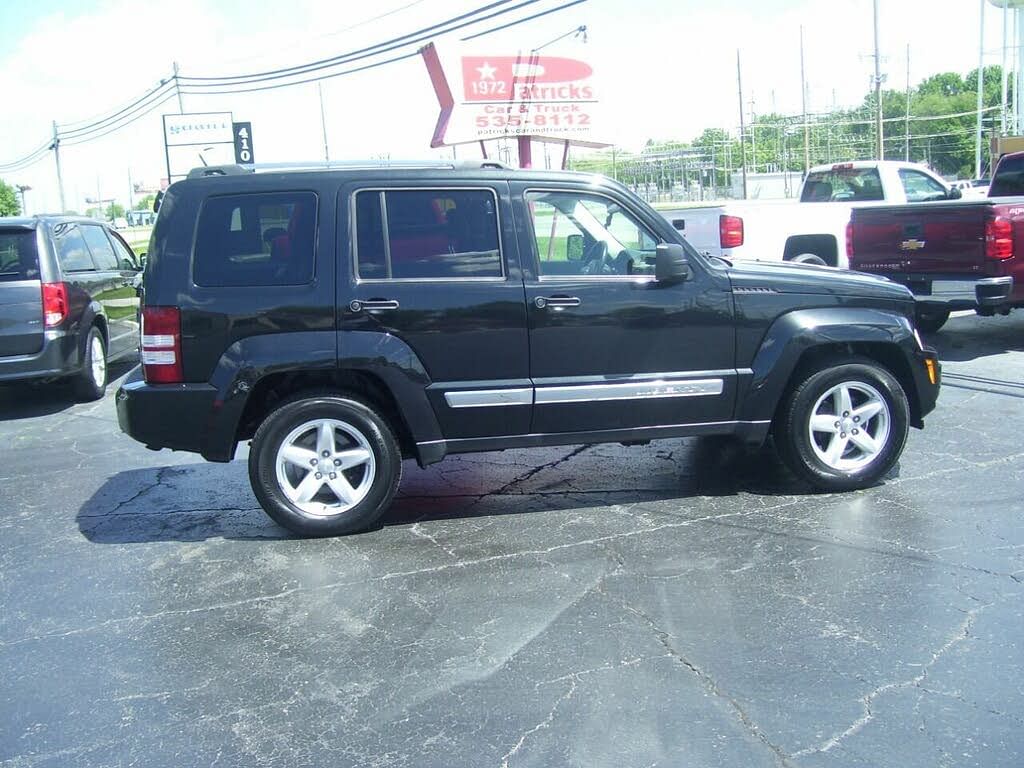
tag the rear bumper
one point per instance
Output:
(960, 294)
(60, 356)
(181, 417)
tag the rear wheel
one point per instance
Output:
(91, 382)
(844, 426)
(931, 319)
(325, 465)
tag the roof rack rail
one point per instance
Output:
(345, 165)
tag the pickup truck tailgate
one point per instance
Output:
(923, 238)
(21, 303)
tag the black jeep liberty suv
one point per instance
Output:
(348, 318)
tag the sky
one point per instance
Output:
(663, 69)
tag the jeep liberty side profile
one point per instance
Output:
(347, 318)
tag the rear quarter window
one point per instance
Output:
(19, 259)
(843, 184)
(1009, 178)
(256, 239)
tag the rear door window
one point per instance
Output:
(256, 239)
(429, 234)
(99, 245)
(842, 184)
(72, 251)
(19, 259)
(1009, 178)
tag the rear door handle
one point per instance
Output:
(372, 305)
(556, 302)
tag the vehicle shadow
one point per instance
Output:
(27, 401)
(195, 502)
(969, 337)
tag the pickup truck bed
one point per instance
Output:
(952, 255)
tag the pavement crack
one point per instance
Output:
(962, 633)
(536, 470)
(545, 723)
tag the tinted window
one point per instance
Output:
(439, 234)
(18, 257)
(72, 252)
(257, 239)
(919, 187)
(839, 184)
(1009, 178)
(125, 258)
(99, 245)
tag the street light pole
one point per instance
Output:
(22, 189)
(880, 140)
(981, 88)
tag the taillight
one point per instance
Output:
(849, 240)
(999, 238)
(55, 304)
(730, 231)
(161, 345)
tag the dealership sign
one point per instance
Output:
(205, 138)
(528, 94)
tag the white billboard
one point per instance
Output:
(197, 139)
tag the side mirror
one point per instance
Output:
(157, 200)
(670, 263)
(574, 248)
(954, 193)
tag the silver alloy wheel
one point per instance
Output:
(99, 360)
(325, 467)
(849, 426)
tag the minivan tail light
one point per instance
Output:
(999, 238)
(55, 304)
(849, 240)
(161, 345)
(730, 231)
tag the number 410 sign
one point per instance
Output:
(243, 143)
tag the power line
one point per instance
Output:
(521, 21)
(125, 113)
(85, 140)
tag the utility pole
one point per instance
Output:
(981, 88)
(22, 189)
(1002, 112)
(131, 199)
(56, 156)
(177, 88)
(880, 139)
(743, 133)
(323, 121)
(803, 96)
(907, 124)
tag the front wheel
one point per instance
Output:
(844, 426)
(325, 465)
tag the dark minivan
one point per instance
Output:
(348, 318)
(69, 301)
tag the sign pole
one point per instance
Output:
(525, 151)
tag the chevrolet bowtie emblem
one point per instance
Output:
(912, 245)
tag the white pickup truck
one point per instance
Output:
(811, 230)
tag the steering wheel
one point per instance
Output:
(596, 259)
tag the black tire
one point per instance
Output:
(91, 381)
(376, 436)
(793, 435)
(930, 319)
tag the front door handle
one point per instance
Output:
(372, 305)
(556, 302)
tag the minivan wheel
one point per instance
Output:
(844, 426)
(325, 465)
(91, 382)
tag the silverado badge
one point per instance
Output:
(912, 245)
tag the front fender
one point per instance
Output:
(795, 333)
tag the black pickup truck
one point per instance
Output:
(348, 318)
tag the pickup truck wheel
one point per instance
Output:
(930, 320)
(809, 258)
(91, 381)
(325, 465)
(844, 426)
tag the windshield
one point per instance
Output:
(18, 257)
(1009, 178)
(842, 184)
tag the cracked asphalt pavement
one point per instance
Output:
(685, 603)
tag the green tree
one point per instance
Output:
(145, 204)
(115, 211)
(9, 205)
